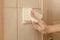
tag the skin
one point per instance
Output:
(42, 27)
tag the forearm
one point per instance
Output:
(50, 29)
(54, 28)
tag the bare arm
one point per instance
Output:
(54, 28)
(48, 29)
(44, 28)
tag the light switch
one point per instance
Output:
(26, 15)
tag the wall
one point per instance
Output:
(1, 21)
(13, 27)
(10, 19)
(56, 17)
(54, 7)
(55, 11)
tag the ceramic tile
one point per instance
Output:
(9, 3)
(10, 23)
(29, 3)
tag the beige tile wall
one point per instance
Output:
(56, 36)
(10, 23)
(55, 11)
(14, 30)
(29, 3)
(56, 22)
(10, 19)
(9, 3)
(56, 17)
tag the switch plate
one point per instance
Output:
(26, 15)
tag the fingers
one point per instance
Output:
(32, 13)
(38, 26)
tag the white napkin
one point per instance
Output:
(38, 15)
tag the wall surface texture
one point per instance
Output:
(1, 20)
(13, 27)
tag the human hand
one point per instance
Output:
(41, 28)
(40, 25)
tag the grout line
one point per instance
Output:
(56, 20)
(9, 7)
(17, 24)
(17, 17)
(19, 7)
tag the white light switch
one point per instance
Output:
(26, 15)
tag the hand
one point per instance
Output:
(41, 28)
(33, 15)
(38, 25)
